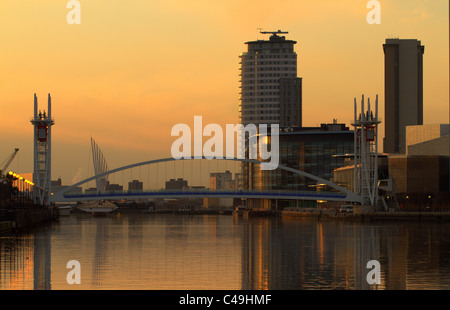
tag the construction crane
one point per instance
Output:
(8, 161)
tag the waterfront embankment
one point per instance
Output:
(369, 216)
(22, 219)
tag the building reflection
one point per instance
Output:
(100, 257)
(207, 252)
(309, 254)
(42, 259)
(25, 262)
(16, 263)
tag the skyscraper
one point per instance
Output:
(403, 91)
(271, 92)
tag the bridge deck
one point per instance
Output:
(296, 195)
(340, 193)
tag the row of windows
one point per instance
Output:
(261, 111)
(261, 63)
(287, 107)
(265, 105)
(269, 75)
(273, 45)
(316, 158)
(288, 93)
(261, 93)
(269, 55)
(260, 100)
(277, 81)
(261, 87)
(251, 118)
(244, 70)
(319, 145)
(307, 153)
(288, 118)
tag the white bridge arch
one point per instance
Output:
(62, 196)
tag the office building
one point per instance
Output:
(91, 191)
(313, 150)
(422, 182)
(345, 176)
(135, 185)
(430, 139)
(113, 187)
(221, 181)
(403, 91)
(419, 173)
(179, 183)
(271, 92)
(57, 187)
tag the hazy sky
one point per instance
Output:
(133, 69)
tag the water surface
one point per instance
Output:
(223, 252)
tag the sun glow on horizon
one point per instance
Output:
(131, 70)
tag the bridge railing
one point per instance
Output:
(340, 194)
(207, 192)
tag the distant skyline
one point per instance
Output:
(132, 70)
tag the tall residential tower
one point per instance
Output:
(403, 91)
(271, 92)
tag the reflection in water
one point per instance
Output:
(224, 252)
(309, 254)
(42, 260)
(99, 261)
(297, 255)
(16, 263)
(25, 262)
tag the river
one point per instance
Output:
(225, 252)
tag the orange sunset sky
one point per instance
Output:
(133, 69)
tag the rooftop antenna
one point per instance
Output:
(260, 30)
(274, 33)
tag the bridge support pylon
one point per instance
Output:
(42, 139)
(366, 153)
